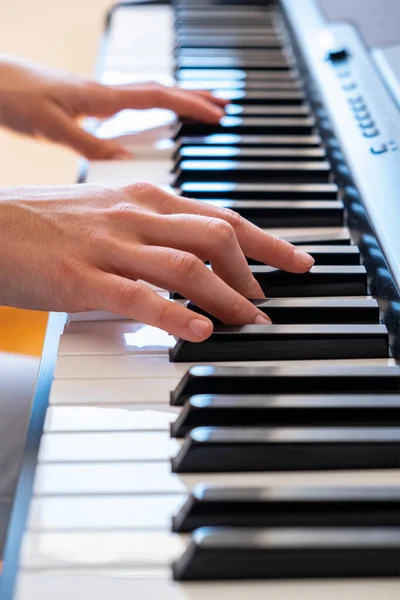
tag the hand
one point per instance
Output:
(48, 104)
(85, 247)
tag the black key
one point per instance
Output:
(229, 553)
(241, 12)
(324, 280)
(260, 191)
(269, 110)
(250, 141)
(288, 379)
(264, 79)
(252, 154)
(206, 30)
(289, 507)
(335, 237)
(285, 342)
(255, 100)
(319, 281)
(229, 40)
(240, 449)
(226, 62)
(247, 53)
(313, 310)
(248, 125)
(328, 255)
(252, 171)
(288, 411)
(288, 213)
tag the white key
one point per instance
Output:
(157, 366)
(110, 418)
(104, 512)
(82, 549)
(156, 477)
(116, 446)
(126, 584)
(125, 172)
(98, 391)
(123, 337)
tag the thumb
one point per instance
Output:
(61, 128)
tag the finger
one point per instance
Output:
(212, 98)
(208, 238)
(185, 273)
(60, 127)
(183, 103)
(255, 243)
(130, 299)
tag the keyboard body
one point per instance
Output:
(93, 511)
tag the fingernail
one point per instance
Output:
(123, 155)
(262, 319)
(303, 259)
(200, 328)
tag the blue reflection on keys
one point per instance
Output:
(211, 74)
(216, 187)
(230, 121)
(229, 94)
(221, 203)
(234, 109)
(217, 87)
(222, 151)
(223, 138)
(209, 165)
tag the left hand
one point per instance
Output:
(48, 104)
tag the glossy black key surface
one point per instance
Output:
(250, 141)
(288, 379)
(264, 79)
(259, 191)
(251, 154)
(256, 449)
(285, 342)
(229, 40)
(252, 171)
(211, 410)
(269, 110)
(229, 553)
(226, 62)
(287, 213)
(248, 125)
(205, 152)
(329, 255)
(338, 236)
(345, 280)
(257, 53)
(313, 310)
(289, 507)
(248, 97)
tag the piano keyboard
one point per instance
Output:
(265, 460)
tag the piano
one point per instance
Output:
(264, 462)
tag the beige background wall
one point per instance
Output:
(63, 34)
(60, 33)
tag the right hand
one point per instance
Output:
(84, 247)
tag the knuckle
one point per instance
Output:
(233, 218)
(141, 188)
(128, 296)
(222, 230)
(186, 265)
(122, 210)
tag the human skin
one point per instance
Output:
(84, 247)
